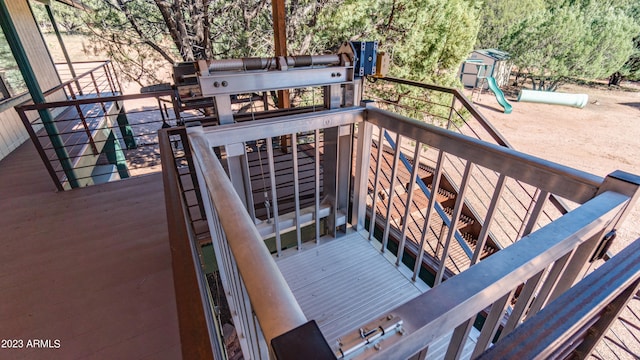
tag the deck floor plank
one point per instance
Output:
(344, 283)
(90, 267)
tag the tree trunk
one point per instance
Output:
(615, 79)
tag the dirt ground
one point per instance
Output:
(602, 137)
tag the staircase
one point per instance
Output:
(468, 225)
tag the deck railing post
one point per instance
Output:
(337, 168)
(361, 177)
(618, 181)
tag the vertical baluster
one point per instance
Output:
(550, 283)
(407, 210)
(317, 185)
(491, 324)
(394, 168)
(537, 201)
(435, 184)
(296, 186)
(274, 195)
(372, 221)
(421, 355)
(107, 74)
(455, 218)
(458, 339)
(87, 130)
(115, 76)
(524, 300)
(95, 83)
(248, 189)
(361, 175)
(488, 220)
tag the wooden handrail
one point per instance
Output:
(194, 336)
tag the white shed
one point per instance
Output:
(483, 63)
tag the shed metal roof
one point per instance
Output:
(494, 53)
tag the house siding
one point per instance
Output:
(12, 131)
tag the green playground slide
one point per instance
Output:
(499, 95)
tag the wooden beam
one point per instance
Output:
(280, 43)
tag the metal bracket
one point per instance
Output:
(368, 335)
(603, 247)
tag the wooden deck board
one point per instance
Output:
(90, 267)
(341, 303)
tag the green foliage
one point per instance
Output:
(140, 49)
(587, 41)
(9, 71)
(427, 39)
(66, 18)
(498, 16)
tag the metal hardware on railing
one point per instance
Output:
(603, 247)
(369, 335)
(460, 298)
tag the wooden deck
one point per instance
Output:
(89, 267)
(345, 283)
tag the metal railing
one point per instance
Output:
(92, 78)
(449, 108)
(252, 281)
(547, 261)
(574, 323)
(419, 222)
(554, 256)
(88, 132)
(197, 317)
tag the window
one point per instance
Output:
(11, 81)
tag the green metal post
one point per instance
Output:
(36, 93)
(115, 155)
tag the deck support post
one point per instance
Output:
(125, 129)
(115, 155)
(337, 168)
(236, 156)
